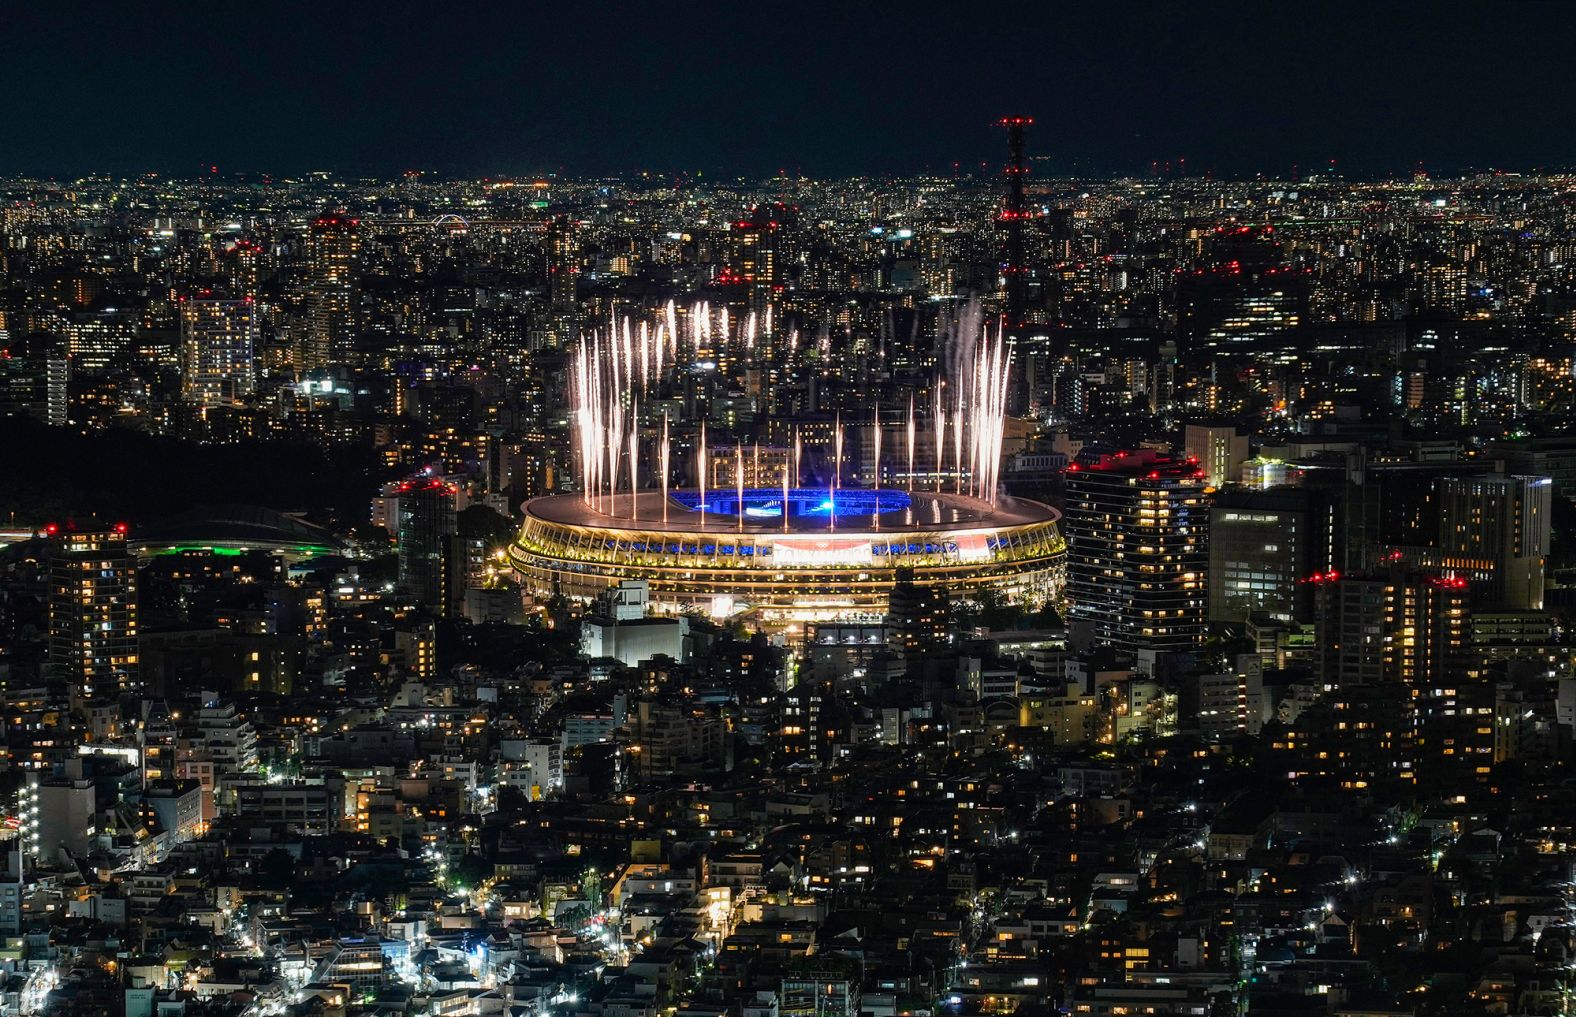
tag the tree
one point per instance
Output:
(276, 869)
(484, 522)
(591, 886)
(470, 872)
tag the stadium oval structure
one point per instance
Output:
(813, 555)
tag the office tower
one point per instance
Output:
(426, 522)
(95, 342)
(1136, 552)
(1397, 627)
(218, 337)
(1232, 702)
(1258, 315)
(563, 275)
(33, 377)
(1220, 451)
(1498, 525)
(92, 613)
(1245, 297)
(333, 257)
(1263, 545)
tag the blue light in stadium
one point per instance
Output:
(803, 502)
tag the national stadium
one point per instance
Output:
(815, 556)
(798, 533)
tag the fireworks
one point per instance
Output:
(979, 364)
(613, 371)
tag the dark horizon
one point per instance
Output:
(1234, 89)
(985, 178)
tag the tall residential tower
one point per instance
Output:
(1137, 553)
(333, 256)
(218, 340)
(92, 613)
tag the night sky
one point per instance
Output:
(520, 86)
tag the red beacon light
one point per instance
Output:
(122, 529)
(50, 529)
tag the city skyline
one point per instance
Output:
(462, 571)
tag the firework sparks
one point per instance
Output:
(613, 371)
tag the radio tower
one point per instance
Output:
(1013, 214)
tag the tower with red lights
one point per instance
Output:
(1014, 212)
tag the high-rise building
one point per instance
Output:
(1360, 735)
(218, 337)
(1259, 315)
(33, 378)
(333, 257)
(1501, 526)
(94, 342)
(1136, 527)
(916, 620)
(1263, 545)
(1397, 627)
(1013, 216)
(758, 255)
(63, 820)
(1221, 451)
(563, 275)
(92, 613)
(1246, 298)
(426, 522)
(245, 267)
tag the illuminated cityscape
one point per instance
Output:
(778, 512)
